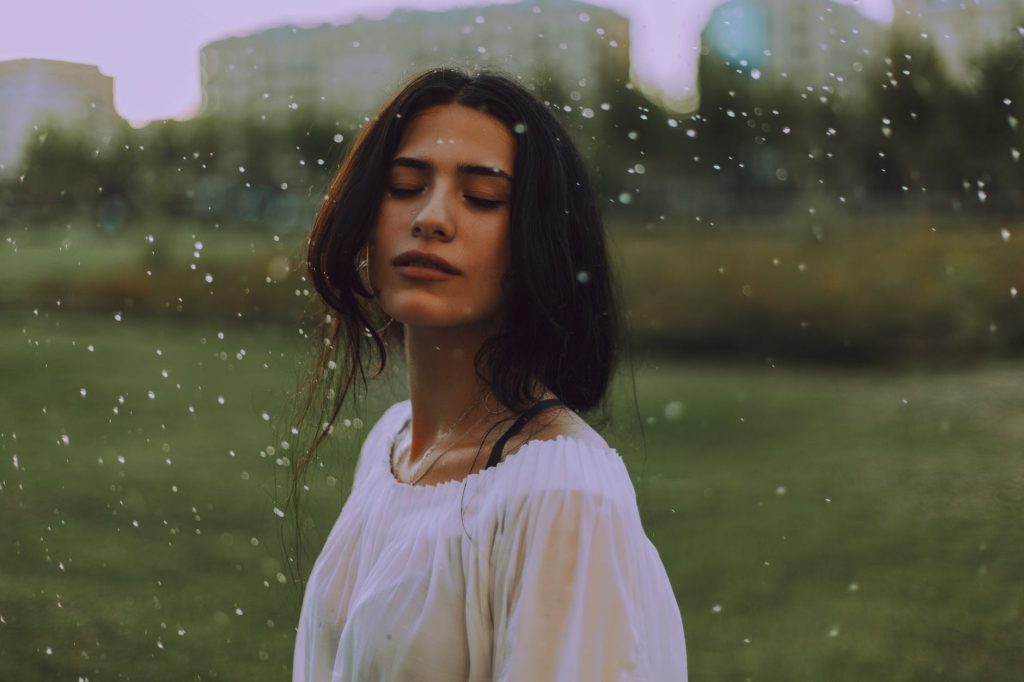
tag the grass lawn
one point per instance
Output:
(817, 524)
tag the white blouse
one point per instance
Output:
(535, 569)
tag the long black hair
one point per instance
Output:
(562, 326)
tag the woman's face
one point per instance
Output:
(448, 193)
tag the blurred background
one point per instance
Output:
(815, 208)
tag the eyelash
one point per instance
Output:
(477, 201)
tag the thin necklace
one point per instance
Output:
(429, 458)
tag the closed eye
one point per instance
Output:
(483, 203)
(404, 191)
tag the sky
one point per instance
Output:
(151, 47)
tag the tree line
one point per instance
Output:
(915, 140)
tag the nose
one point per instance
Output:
(433, 218)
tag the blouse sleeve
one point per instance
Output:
(564, 592)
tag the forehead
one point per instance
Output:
(458, 134)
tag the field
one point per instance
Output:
(817, 523)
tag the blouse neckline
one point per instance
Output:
(485, 474)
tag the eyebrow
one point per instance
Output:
(461, 169)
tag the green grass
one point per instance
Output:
(817, 524)
(905, 292)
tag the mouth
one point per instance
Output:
(420, 261)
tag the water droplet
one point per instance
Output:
(675, 410)
(279, 512)
(625, 198)
(1005, 234)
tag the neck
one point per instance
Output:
(443, 384)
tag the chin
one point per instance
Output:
(420, 309)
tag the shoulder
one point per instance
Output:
(555, 422)
(380, 433)
(574, 468)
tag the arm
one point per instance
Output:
(563, 598)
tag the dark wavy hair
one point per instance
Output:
(562, 325)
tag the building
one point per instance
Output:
(35, 91)
(807, 43)
(335, 69)
(962, 30)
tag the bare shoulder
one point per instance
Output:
(563, 421)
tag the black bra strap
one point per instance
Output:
(514, 429)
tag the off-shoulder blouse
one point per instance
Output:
(535, 569)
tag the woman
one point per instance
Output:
(491, 533)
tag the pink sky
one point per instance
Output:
(151, 47)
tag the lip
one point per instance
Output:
(426, 274)
(406, 263)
